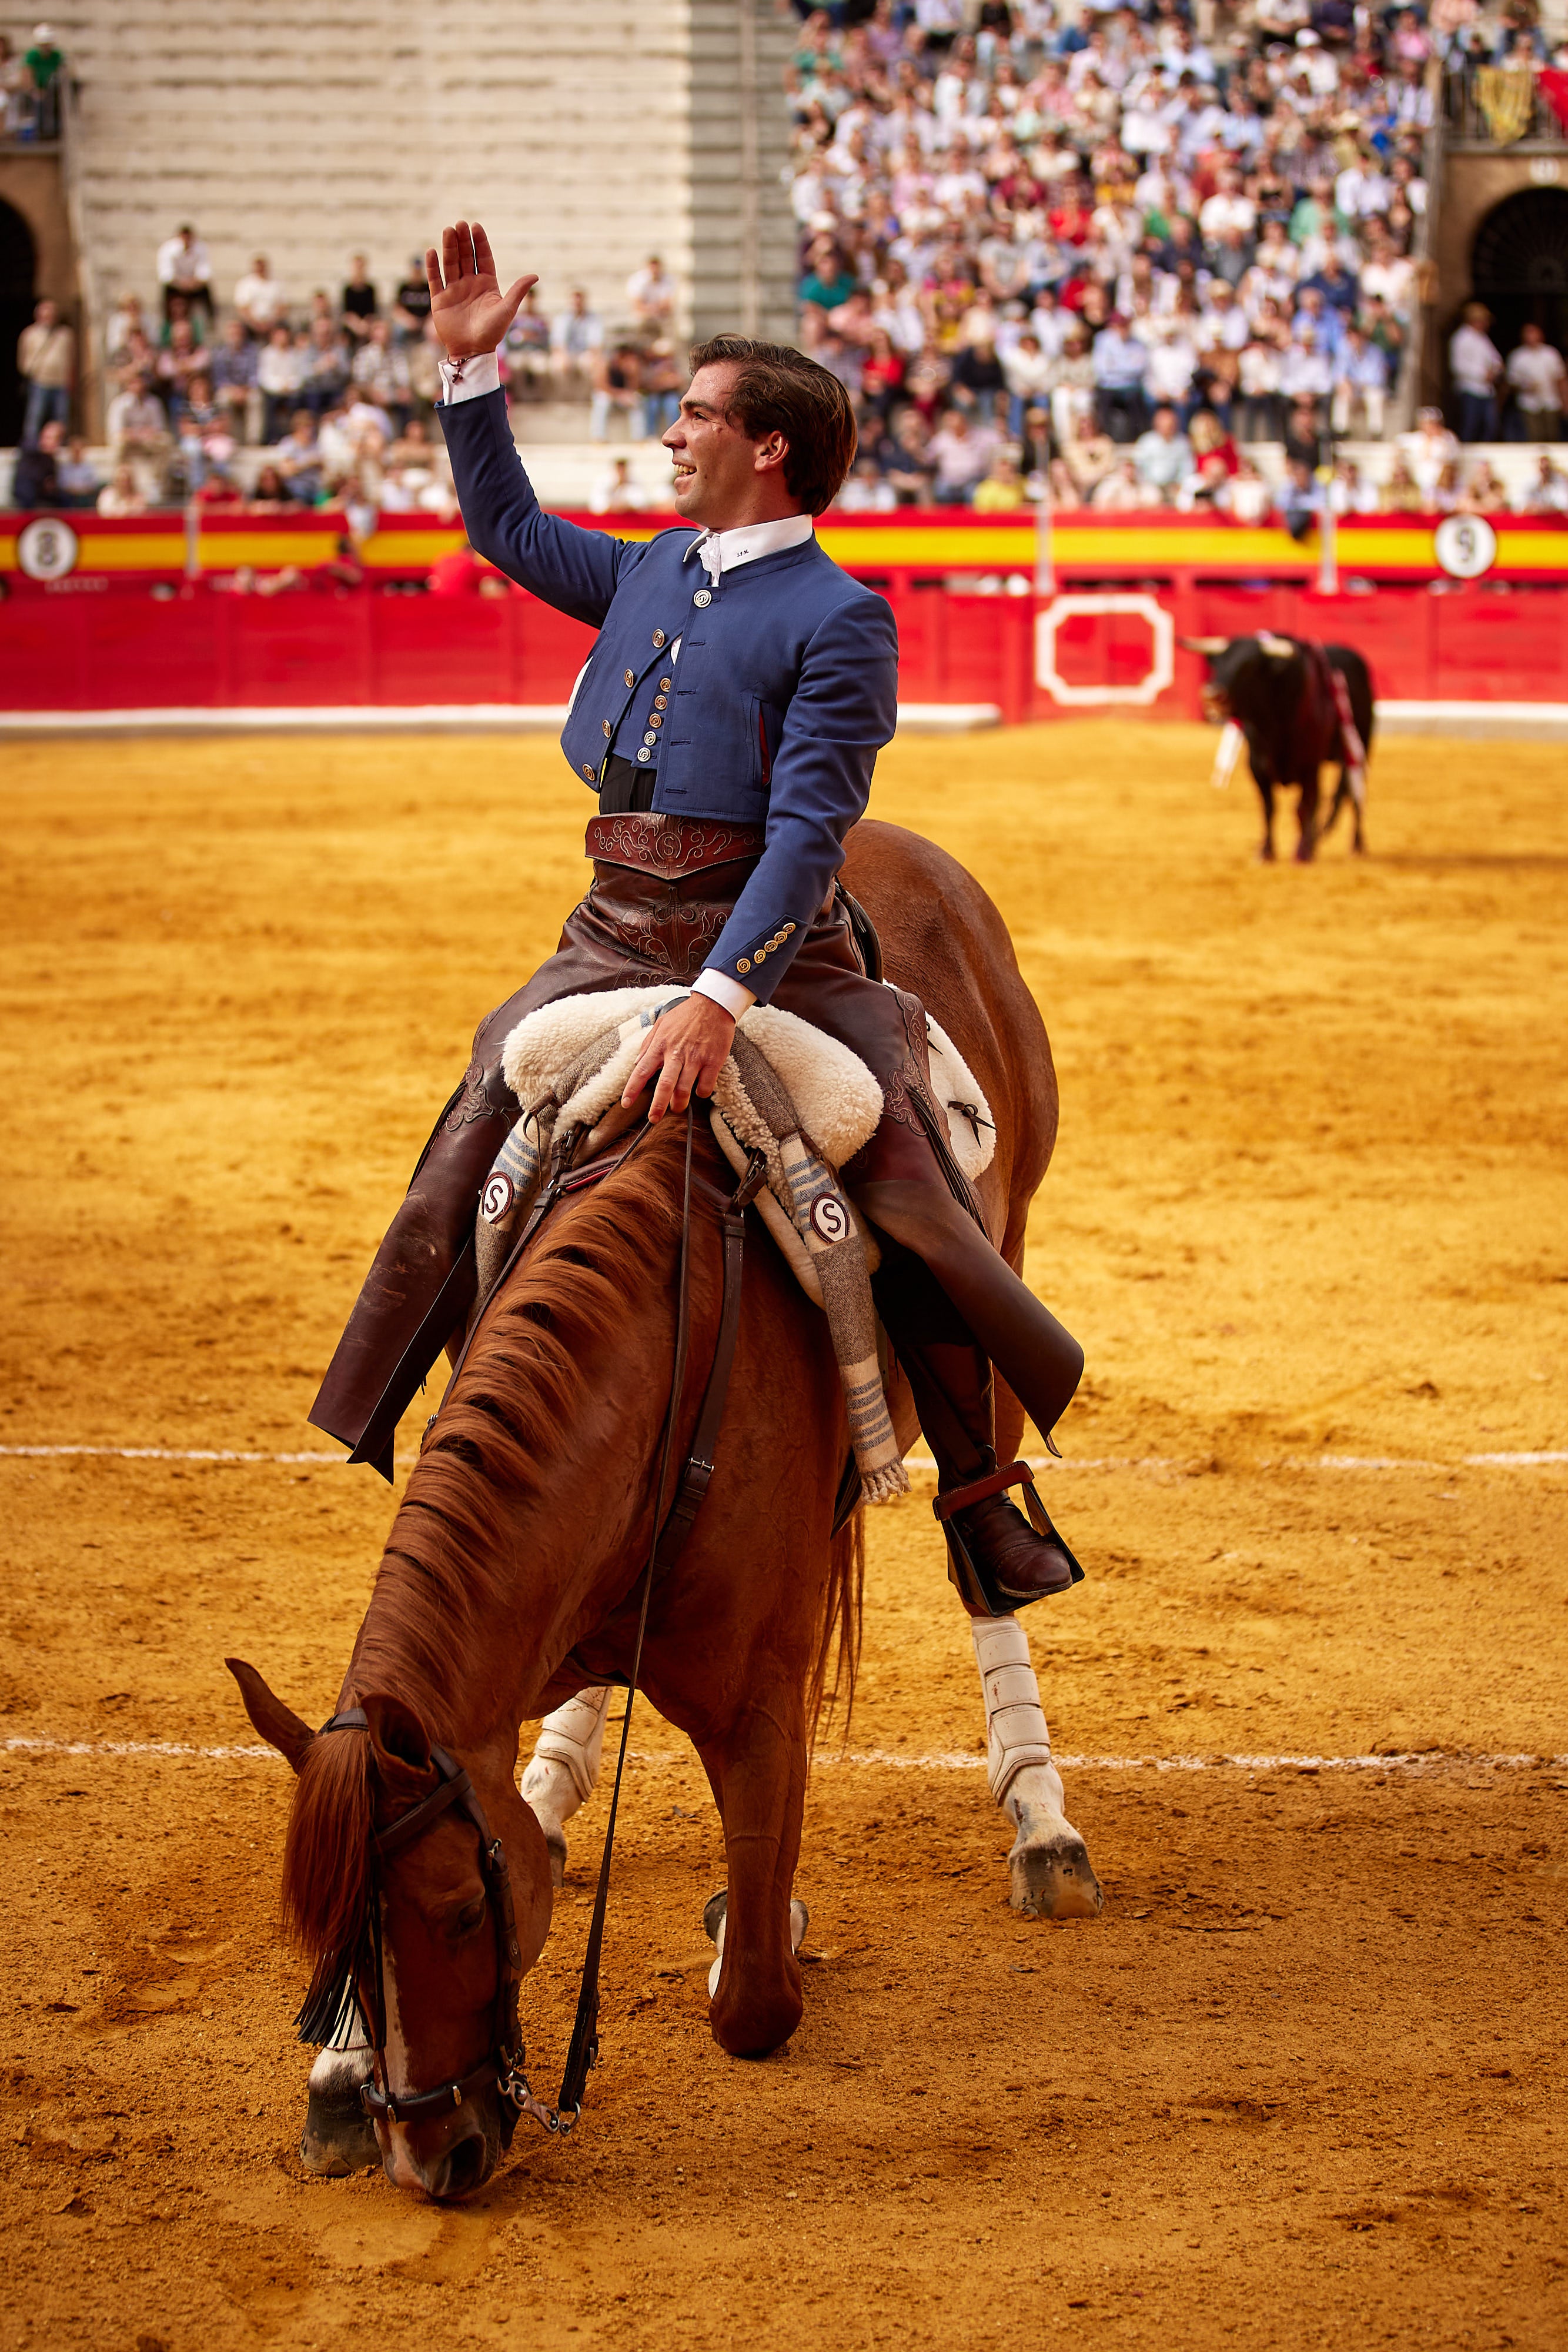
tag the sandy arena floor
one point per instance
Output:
(1302, 2084)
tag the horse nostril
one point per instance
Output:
(463, 2167)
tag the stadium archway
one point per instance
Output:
(18, 276)
(1518, 265)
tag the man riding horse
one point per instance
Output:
(728, 718)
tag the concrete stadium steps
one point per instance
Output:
(310, 135)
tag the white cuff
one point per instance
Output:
(470, 378)
(735, 998)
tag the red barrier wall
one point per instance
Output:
(136, 632)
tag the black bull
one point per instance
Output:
(1281, 692)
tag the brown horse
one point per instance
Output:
(510, 1574)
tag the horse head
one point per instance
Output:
(422, 1876)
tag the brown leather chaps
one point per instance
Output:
(661, 892)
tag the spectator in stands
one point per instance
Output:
(181, 358)
(184, 268)
(905, 460)
(138, 425)
(1476, 365)
(269, 491)
(1260, 408)
(616, 390)
(652, 296)
(1349, 492)
(1249, 493)
(525, 354)
(1400, 492)
(576, 333)
(1305, 442)
(1300, 499)
(615, 492)
(1121, 491)
(1546, 493)
(43, 67)
(299, 459)
(1483, 492)
(120, 498)
(379, 372)
(126, 321)
(259, 300)
(1162, 457)
(358, 306)
(280, 379)
(46, 361)
(1120, 361)
(410, 303)
(1002, 490)
(962, 454)
(1536, 378)
(234, 368)
(35, 477)
(663, 379)
(1428, 450)
(325, 375)
(1361, 381)
(79, 479)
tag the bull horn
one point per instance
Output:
(1210, 645)
(1279, 647)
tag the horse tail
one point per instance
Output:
(838, 1641)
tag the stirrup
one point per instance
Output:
(974, 1585)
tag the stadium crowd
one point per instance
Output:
(1099, 250)
(1058, 248)
(337, 393)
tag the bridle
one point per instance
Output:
(502, 2069)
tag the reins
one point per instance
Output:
(504, 2066)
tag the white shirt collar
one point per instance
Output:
(722, 550)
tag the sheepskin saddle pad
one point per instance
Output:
(806, 1103)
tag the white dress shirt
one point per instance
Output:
(717, 550)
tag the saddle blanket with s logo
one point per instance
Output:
(798, 1097)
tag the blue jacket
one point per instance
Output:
(786, 688)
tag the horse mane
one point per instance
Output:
(327, 1863)
(444, 1568)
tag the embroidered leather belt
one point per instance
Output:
(670, 846)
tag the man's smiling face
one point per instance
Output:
(716, 465)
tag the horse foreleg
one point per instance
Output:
(338, 2136)
(1052, 1877)
(564, 1769)
(1307, 820)
(758, 1779)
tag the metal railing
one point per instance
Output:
(1498, 107)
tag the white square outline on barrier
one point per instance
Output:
(1161, 667)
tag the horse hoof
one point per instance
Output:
(1054, 1878)
(714, 1910)
(338, 2136)
(556, 1840)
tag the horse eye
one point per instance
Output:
(471, 1915)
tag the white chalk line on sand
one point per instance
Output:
(1151, 1462)
(890, 1759)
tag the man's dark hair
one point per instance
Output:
(780, 390)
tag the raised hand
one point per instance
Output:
(470, 311)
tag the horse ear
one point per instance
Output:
(400, 1744)
(279, 1725)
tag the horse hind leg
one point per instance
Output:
(1048, 1865)
(338, 2136)
(564, 1769)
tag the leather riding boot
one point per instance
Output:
(998, 1560)
(422, 1281)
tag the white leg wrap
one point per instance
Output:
(564, 1766)
(1016, 1733)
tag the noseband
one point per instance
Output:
(503, 2069)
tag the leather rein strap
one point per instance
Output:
(503, 2068)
